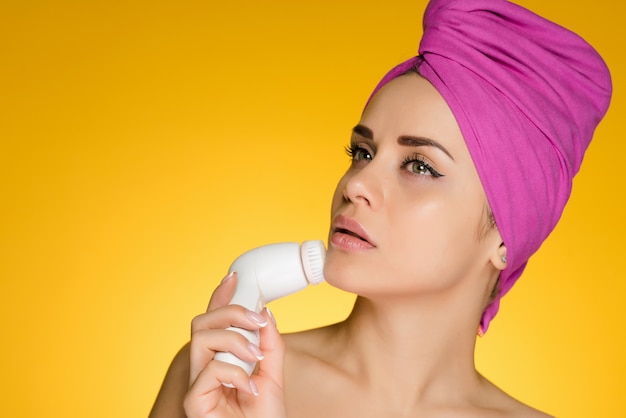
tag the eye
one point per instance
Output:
(416, 165)
(357, 153)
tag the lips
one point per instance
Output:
(349, 234)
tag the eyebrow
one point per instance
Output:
(363, 131)
(405, 140)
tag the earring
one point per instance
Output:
(480, 331)
(503, 258)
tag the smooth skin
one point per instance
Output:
(410, 235)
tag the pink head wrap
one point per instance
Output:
(527, 95)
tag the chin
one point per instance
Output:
(342, 274)
(354, 277)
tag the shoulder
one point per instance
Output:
(504, 405)
(307, 349)
(311, 357)
(169, 401)
(313, 347)
(523, 410)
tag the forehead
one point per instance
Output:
(410, 105)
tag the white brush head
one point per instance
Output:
(313, 255)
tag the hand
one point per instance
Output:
(260, 395)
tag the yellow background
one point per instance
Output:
(146, 144)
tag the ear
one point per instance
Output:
(498, 258)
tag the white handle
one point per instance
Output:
(267, 273)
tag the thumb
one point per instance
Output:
(224, 292)
(273, 349)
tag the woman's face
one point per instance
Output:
(409, 214)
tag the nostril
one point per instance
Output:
(356, 197)
(361, 187)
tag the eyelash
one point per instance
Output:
(417, 159)
(353, 150)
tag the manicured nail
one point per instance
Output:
(256, 318)
(256, 351)
(269, 313)
(253, 387)
(230, 276)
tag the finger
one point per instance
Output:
(273, 348)
(209, 387)
(224, 292)
(208, 393)
(227, 316)
(206, 343)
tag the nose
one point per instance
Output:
(364, 187)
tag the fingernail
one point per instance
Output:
(253, 387)
(256, 351)
(230, 276)
(269, 313)
(256, 318)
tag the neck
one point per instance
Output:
(395, 344)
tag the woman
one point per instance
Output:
(461, 165)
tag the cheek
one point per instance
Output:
(420, 233)
(436, 239)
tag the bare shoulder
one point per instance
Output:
(312, 357)
(312, 347)
(308, 349)
(495, 399)
(169, 401)
(301, 341)
(318, 356)
(521, 410)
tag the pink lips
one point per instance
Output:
(349, 234)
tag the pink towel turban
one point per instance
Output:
(527, 95)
